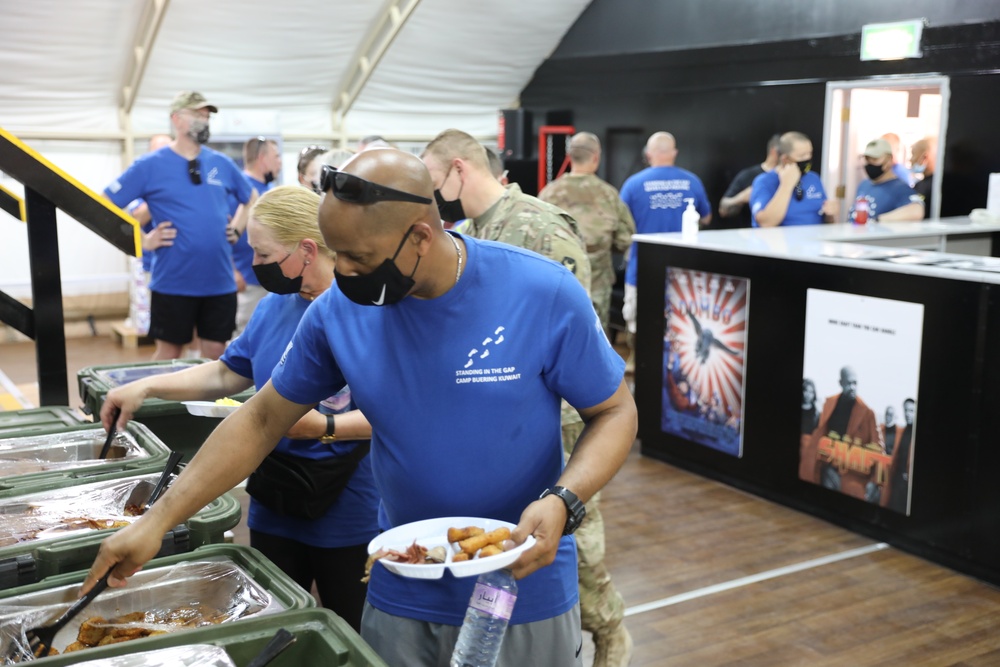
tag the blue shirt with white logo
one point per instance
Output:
(199, 263)
(885, 197)
(656, 198)
(242, 252)
(805, 211)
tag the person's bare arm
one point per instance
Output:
(704, 220)
(730, 206)
(830, 210)
(599, 453)
(624, 228)
(201, 382)
(348, 426)
(913, 211)
(233, 450)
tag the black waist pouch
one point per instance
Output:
(302, 487)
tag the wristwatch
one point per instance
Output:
(331, 434)
(575, 510)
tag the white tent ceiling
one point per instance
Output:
(65, 64)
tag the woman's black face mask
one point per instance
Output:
(384, 286)
(273, 280)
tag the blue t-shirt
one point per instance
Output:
(885, 197)
(463, 393)
(656, 198)
(800, 212)
(199, 263)
(242, 252)
(353, 518)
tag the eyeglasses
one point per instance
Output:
(194, 172)
(356, 190)
(312, 149)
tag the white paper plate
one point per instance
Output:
(434, 533)
(209, 409)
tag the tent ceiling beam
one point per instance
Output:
(384, 29)
(145, 37)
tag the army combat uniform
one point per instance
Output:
(606, 224)
(527, 222)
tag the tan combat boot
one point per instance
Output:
(613, 647)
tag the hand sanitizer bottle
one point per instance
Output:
(689, 222)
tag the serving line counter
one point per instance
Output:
(880, 343)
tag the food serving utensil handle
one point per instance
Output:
(111, 433)
(40, 639)
(281, 640)
(172, 461)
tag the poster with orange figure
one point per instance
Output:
(860, 373)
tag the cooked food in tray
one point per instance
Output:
(62, 451)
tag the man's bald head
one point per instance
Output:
(849, 382)
(661, 149)
(392, 168)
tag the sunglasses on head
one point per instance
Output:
(194, 172)
(356, 190)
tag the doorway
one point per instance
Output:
(912, 108)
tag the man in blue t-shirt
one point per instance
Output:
(188, 185)
(261, 166)
(496, 333)
(886, 197)
(792, 193)
(656, 197)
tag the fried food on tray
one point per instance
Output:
(98, 631)
(459, 534)
(75, 646)
(91, 631)
(474, 544)
(490, 550)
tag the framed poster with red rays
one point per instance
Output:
(704, 356)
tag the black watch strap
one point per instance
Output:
(331, 430)
(575, 510)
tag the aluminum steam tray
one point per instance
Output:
(192, 655)
(68, 511)
(116, 377)
(65, 450)
(217, 589)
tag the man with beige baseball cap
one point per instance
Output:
(187, 187)
(887, 197)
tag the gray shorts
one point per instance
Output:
(404, 642)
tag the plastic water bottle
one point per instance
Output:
(689, 221)
(490, 608)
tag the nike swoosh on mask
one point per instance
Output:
(381, 297)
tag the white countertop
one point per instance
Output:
(844, 245)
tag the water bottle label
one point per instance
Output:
(493, 601)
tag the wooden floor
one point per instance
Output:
(715, 576)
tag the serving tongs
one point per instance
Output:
(40, 639)
(145, 494)
(111, 433)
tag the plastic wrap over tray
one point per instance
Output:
(183, 596)
(63, 451)
(116, 377)
(72, 510)
(195, 655)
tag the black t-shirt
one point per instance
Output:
(743, 180)
(923, 188)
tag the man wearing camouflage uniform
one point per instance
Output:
(604, 218)
(465, 188)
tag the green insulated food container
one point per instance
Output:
(21, 421)
(28, 458)
(217, 594)
(58, 527)
(169, 420)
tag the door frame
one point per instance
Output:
(941, 81)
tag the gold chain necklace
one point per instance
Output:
(458, 270)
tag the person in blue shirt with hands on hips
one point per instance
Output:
(792, 193)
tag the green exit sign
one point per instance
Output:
(891, 41)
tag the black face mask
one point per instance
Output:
(273, 280)
(384, 286)
(450, 211)
(805, 166)
(874, 171)
(268, 177)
